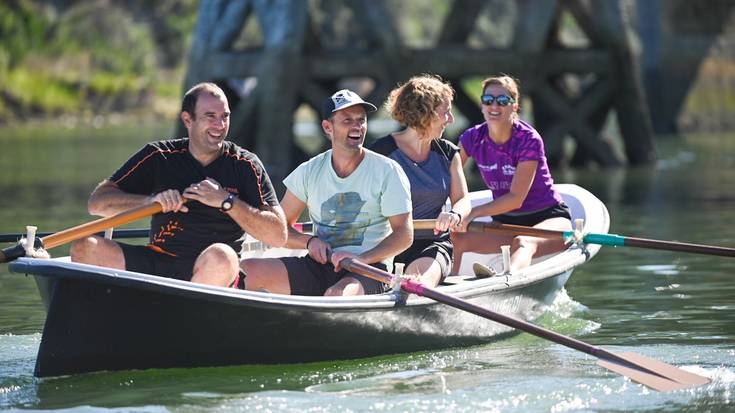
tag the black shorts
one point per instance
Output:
(557, 211)
(142, 258)
(308, 277)
(438, 250)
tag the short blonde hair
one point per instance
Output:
(414, 103)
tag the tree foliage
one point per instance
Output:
(89, 56)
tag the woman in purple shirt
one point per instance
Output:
(510, 156)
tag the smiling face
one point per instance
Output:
(441, 120)
(494, 113)
(347, 128)
(208, 126)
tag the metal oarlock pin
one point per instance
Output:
(30, 239)
(505, 250)
(395, 285)
(32, 245)
(578, 235)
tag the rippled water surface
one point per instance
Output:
(675, 307)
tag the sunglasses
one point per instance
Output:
(502, 100)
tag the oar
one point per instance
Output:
(589, 238)
(652, 373)
(81, 231)
(308, 227)
(116, 234)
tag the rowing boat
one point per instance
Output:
(104, 319)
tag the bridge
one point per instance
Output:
(579, 63)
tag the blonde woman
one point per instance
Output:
(434, 168)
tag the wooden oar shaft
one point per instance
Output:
(494, 227)
(80, 231)
(591, 238)
(652, 373)
(421, 290)
(678, 246)
(527, 327)
(116, 234)
(498, 227)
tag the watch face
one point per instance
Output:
(227, 203)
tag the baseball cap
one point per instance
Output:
(344, 99)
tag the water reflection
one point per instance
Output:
(675, 307)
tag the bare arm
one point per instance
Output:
(318, 249)
(463, 155)
(267, 224)
(513, 200)
(395, 243)
(458, 193)
(400, 239)
(293, 207)
(108, 199)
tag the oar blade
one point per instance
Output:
(666, 377)
(652, 373)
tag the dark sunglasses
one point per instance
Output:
(502, 100)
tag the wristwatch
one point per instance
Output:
(227, 203)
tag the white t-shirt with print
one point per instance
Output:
(351, 214)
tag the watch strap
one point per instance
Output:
(227, 203)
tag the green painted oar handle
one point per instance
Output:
(603, 239)
(614, 240)
(600, 239)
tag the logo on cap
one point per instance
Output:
(344, 99)
(344, 96)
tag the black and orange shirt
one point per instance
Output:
(168, 164)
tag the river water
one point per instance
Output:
(674, 307)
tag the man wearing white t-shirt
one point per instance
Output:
(360, 205)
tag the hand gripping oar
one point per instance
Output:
(652, 373)
(81, 231)
(589, 238)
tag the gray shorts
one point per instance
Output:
(308, 277)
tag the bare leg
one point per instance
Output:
(266, 273)
(426, 270)
(218, 264)
(475, 242)
(98, 251)
(345, 286)
(524, 248)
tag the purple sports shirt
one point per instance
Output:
(497, 163)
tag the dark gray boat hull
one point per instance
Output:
(107, 323)
(105, 319)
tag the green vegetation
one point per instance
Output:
(91, 57)
(78, 59)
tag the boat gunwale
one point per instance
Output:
(467, 289)
(543, 268)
